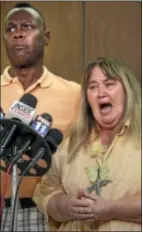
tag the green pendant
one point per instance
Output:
(99, 178)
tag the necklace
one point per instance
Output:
(98, 175)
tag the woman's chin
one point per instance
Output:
(109, 123)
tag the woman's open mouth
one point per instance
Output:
(105, 108)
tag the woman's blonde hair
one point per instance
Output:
(80, 133)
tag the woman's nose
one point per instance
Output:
(101, 91)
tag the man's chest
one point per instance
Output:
(59, 104)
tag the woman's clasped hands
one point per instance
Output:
(89, 206)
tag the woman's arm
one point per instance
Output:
(57, 208)
(125, 209)
(50, 185)
(64, 208)
(52, 200)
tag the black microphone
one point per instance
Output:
(53, 139)
(22, 110)
(41, 125)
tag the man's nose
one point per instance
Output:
(19, 35)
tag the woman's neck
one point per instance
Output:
(107, 136)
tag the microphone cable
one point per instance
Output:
(17, 190)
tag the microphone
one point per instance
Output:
(53, 139)
(22, 110)
(42, 124)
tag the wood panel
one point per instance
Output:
(63, 56)
(114, 29)
(80, 34)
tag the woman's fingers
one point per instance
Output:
(79, 202)
(80, 193)
(91, 196)
(82, 216)
(81, 210)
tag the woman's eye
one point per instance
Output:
(109, 84)
(92, 87)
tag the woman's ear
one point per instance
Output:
(47, 36)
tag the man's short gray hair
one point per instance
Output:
(24, 6)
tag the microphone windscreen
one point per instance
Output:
(56, 135)
(48, 117)
(29, 100)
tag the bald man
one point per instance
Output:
(25, 37)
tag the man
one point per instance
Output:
(25, 36)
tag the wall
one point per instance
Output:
(83, 31)
(114, 29)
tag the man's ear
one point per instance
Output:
(47, 36)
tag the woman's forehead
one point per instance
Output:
(98, 73)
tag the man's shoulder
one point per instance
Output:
(69, 84)
(62, 82)
(4, 77)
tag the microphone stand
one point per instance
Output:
(14, 188)
(22, 129)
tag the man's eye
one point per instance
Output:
(10, 29)
(27, 27)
